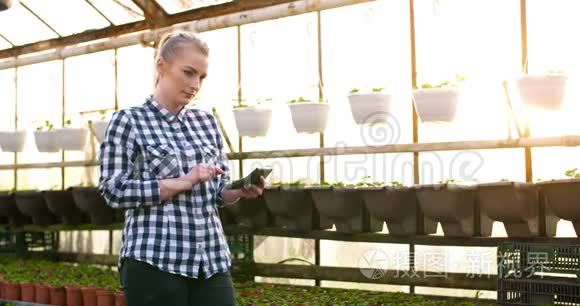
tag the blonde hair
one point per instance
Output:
(171, 42)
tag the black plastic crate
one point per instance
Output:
(7, 242)
(40, 241)
(538, 291)
(17, 243)
(241, 247)
(526, 259)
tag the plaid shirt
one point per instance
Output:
(145, 144)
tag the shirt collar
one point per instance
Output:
(169, 116)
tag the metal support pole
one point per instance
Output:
(63, 118)
(110, 242)
(15, 125)
(416, 178)
(525, 62)
(240, 139)
(321, 139)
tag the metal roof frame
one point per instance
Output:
(155, 17)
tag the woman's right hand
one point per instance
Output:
(198, 174)
(201, 173)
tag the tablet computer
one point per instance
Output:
(251, 179)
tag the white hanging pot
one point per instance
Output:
(309, 117)
(436, 104)
(546, 91)
(71, 139)
(253, 121)
(12, 141)
(46, 141)
(370, 108)
(100, 127)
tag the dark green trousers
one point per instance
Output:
(146, 285)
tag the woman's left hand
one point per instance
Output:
(253, 191)
(231, 196)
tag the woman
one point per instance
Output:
(166, 165)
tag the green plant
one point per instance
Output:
(397, 184)
(334, 184)
(455, 83)
(299, 99)
(247, 292)
(85, 184)
(291, 184)
(46, 126)
(572, 173)
(447, 181)
(365, 182)
(102, 115)
(556, 71)
(374, 89)
(263, 101)
(303, 100)
(67, 123)
(242, 102)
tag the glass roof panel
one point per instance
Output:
(176, 6)
(20, 27)
(119, 11)
(67, 16)
(4, 44)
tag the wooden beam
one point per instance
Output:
(331, 235)
(228, 8)
(108, 32)
(385, 238)
(82, 163)
(64, 228)
(563, 141)
(74, 39)
(154, 13)
(391, 277)
(199, 25)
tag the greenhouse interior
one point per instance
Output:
(289, 152)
